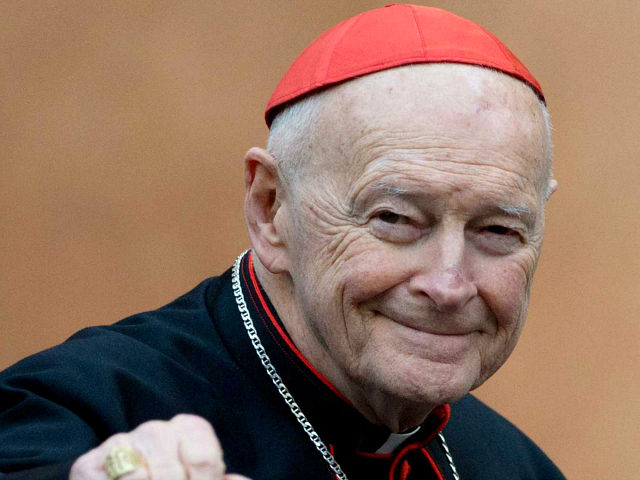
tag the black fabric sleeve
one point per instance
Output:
(44, 418)
(48, 472)
(59, 404)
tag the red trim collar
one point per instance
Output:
(284, 335)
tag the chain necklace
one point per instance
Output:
(284, 391)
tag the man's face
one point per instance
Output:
(413, 238)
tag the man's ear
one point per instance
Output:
(551, 188)
(262, 205)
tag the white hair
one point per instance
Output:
(548, 128)
(290, 133)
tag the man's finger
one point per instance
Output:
(199, 450)
(185, 447)
(93, 465)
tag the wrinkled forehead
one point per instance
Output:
(460, 105)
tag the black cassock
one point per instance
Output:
(194, 356)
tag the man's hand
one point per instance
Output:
(184, 448)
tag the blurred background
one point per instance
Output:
(122, 130)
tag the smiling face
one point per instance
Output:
(412, 233)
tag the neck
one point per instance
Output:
(379, 408)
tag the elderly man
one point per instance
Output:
(396, 220)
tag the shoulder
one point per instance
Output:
(156, 330)
(174, 331)
(108, 379)
(166, 347)
(487, 445)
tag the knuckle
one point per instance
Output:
(186, 420)
(202, 453)
(116, 440)
(150, 427)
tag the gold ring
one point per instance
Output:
(122, 460)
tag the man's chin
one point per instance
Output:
(401, 407)
(434, 394)
(413, 388)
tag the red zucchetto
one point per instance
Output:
(390, 37)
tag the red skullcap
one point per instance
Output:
(390, 37)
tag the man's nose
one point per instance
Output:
(444, 275)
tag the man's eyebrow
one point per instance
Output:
(515, 211)
(390, 189)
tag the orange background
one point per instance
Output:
(122, 129)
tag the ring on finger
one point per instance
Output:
(122, 460)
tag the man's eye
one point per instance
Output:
(498, 239)
(500, 230)
(394, 227)
(391, 217)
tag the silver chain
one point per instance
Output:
(275, 378)
(445, 447)
(282, 388)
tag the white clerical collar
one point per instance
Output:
(394, 440)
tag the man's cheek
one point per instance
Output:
(367, 282)
(509, 304)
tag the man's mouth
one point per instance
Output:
(445, 328)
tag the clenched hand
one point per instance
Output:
(183, 448)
